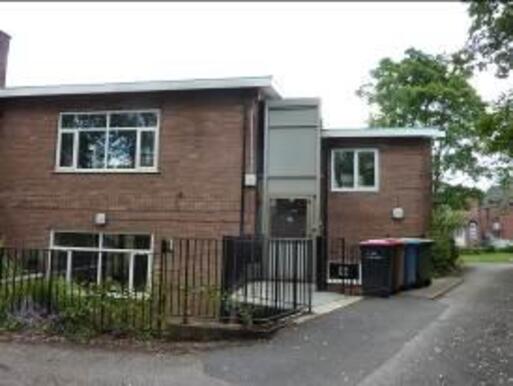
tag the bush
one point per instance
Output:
(508, 249)
(485, 249)
(76, 312)
(470, 251)
(445, 221)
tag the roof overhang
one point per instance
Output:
(396, 132)
(264, 83)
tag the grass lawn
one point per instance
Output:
(487, 257)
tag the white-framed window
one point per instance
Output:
(354, 170)
(108, 141)
(121, 261)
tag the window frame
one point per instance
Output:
(356, 187)
(137, 169)
(100, 250)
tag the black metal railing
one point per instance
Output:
(339, 266)
(247, 280)
(270, 278)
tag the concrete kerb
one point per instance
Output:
(437, 289)
(327, 308)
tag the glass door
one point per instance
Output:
(289, 217)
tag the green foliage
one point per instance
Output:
(470, 251)
(496, 132)
(487, 257)
(458, 197)
(491, 35)
(491, 42)
(429, 91)
(76, 312)
(445, 221)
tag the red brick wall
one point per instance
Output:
(196, 193)
(405, 181)
(487, 216)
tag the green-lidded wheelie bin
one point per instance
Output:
(425, 263)
(417, 262)
(411, 256)
(381, 266)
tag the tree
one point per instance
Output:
(491, 34)
(429, 91)
(491, 42)
(459, 197)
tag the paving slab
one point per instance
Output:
(324, 302)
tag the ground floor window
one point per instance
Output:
(119, 261)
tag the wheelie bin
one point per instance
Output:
(381, 266)
(425, 263)
(411, 257)
(417, 262)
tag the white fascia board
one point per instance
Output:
(399, 132)
(264, 83)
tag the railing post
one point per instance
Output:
(185, 317)
(161, 284)
(309, 245)
(294, 276)
(276, 272)
(49, 297)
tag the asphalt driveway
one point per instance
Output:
(464, 338)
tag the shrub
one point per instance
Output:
(508, 249)
(470, 251)
(77, 312)
(445, 221)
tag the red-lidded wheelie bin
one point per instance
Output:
(382, 266)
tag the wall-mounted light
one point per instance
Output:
(398, 213)
(100, 219)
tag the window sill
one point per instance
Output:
(374, 190)
(106, 171)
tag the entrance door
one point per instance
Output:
(289, 217)
(289, 260)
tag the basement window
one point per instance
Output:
(354, 170)
(113, 141)
(121, 261)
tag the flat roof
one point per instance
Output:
(265, 83)
(384, 132)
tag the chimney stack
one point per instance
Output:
(4, 50)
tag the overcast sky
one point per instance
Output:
(311, 49)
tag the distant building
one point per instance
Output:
(489, 222)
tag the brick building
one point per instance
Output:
(104, 168)
(489, 221)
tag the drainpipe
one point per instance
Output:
(243, 170)
(4, 51)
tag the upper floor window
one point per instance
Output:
(354, 170)
(108, 141)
